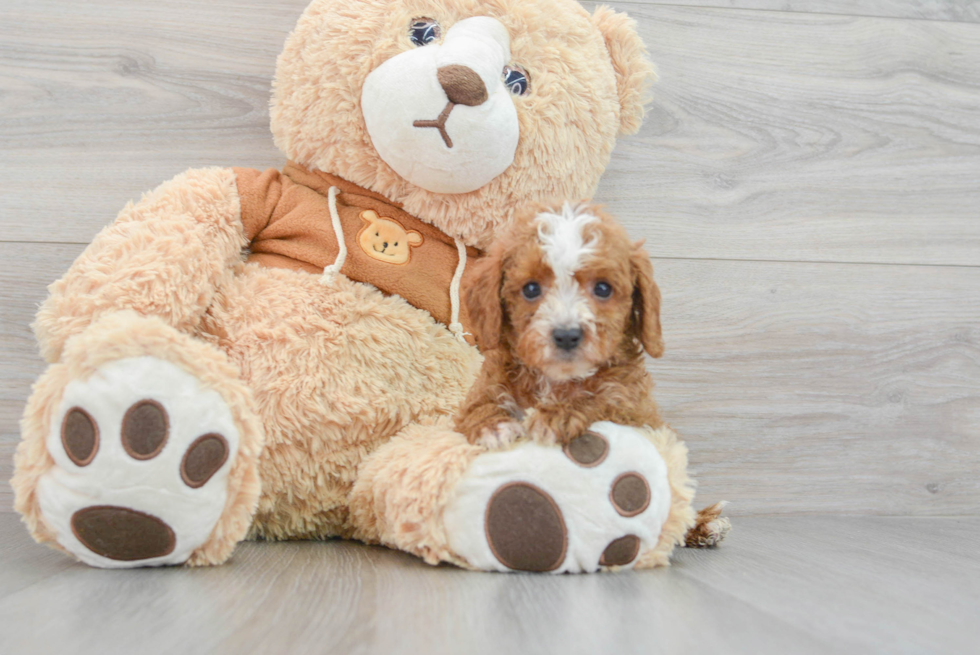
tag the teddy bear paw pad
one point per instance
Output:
(599, 502)
(142, 452)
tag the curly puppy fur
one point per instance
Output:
(569, 305)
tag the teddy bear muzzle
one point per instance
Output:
(440, 115)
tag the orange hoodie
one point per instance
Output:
(289, 224)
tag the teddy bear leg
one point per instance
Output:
(139, 448)
(617, 498)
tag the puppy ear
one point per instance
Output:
(646, 303)
(634, 72)
(481, 285)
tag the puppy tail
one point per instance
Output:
(710, 529)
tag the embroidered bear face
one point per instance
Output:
(386, 240)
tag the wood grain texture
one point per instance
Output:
(943, 10)
(799, 387)
(775, 136)
(781, 136)
(104, 100)
(778, 585)
(825, 388)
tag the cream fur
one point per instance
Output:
(163, 256)
(402, 492)
(336, 371)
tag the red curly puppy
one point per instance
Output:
(566, 305)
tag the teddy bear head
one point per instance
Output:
(463, 111)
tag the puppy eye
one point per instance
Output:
(602, 289)
(424, 31)
(517, 80)
(531, 290)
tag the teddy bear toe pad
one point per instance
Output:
(141, 456)
(595, 504)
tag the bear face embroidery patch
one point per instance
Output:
(386, 240)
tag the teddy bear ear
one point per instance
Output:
(634, 71)
(369, 216)
(415, 238)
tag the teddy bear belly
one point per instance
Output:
(336, 371)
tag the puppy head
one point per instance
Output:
(566, 292)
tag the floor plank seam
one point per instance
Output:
(653, 256)
(917, 19)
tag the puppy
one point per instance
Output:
(565, 305)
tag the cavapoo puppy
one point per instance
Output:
(564, 306)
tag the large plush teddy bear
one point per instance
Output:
(279, 354)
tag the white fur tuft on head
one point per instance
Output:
(562, 238)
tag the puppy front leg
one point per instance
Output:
(556, 424)
(490, 425)
(490, 417)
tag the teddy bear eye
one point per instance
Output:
(531, 290)
(424, 31)
(516, 80)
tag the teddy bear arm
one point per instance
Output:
(163, 256)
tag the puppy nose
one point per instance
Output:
(462, 85)
(567, 338)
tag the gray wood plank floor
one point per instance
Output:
(944, 10)
(778, 585)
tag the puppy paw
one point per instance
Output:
(539, 428)
(501, 435)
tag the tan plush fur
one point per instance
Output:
(164, 256)
(327, 375)
(121, 335)
(584, 93)
(681, 516)
(402, 491)
(634, 72)
(336, 372)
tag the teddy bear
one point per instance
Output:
(279, 354)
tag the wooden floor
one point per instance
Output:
(779, 585)
(808, 182)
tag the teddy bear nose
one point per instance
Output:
(386, 244)
(462, 85)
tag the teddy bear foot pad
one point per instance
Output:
(142, 453)
(597, 504)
